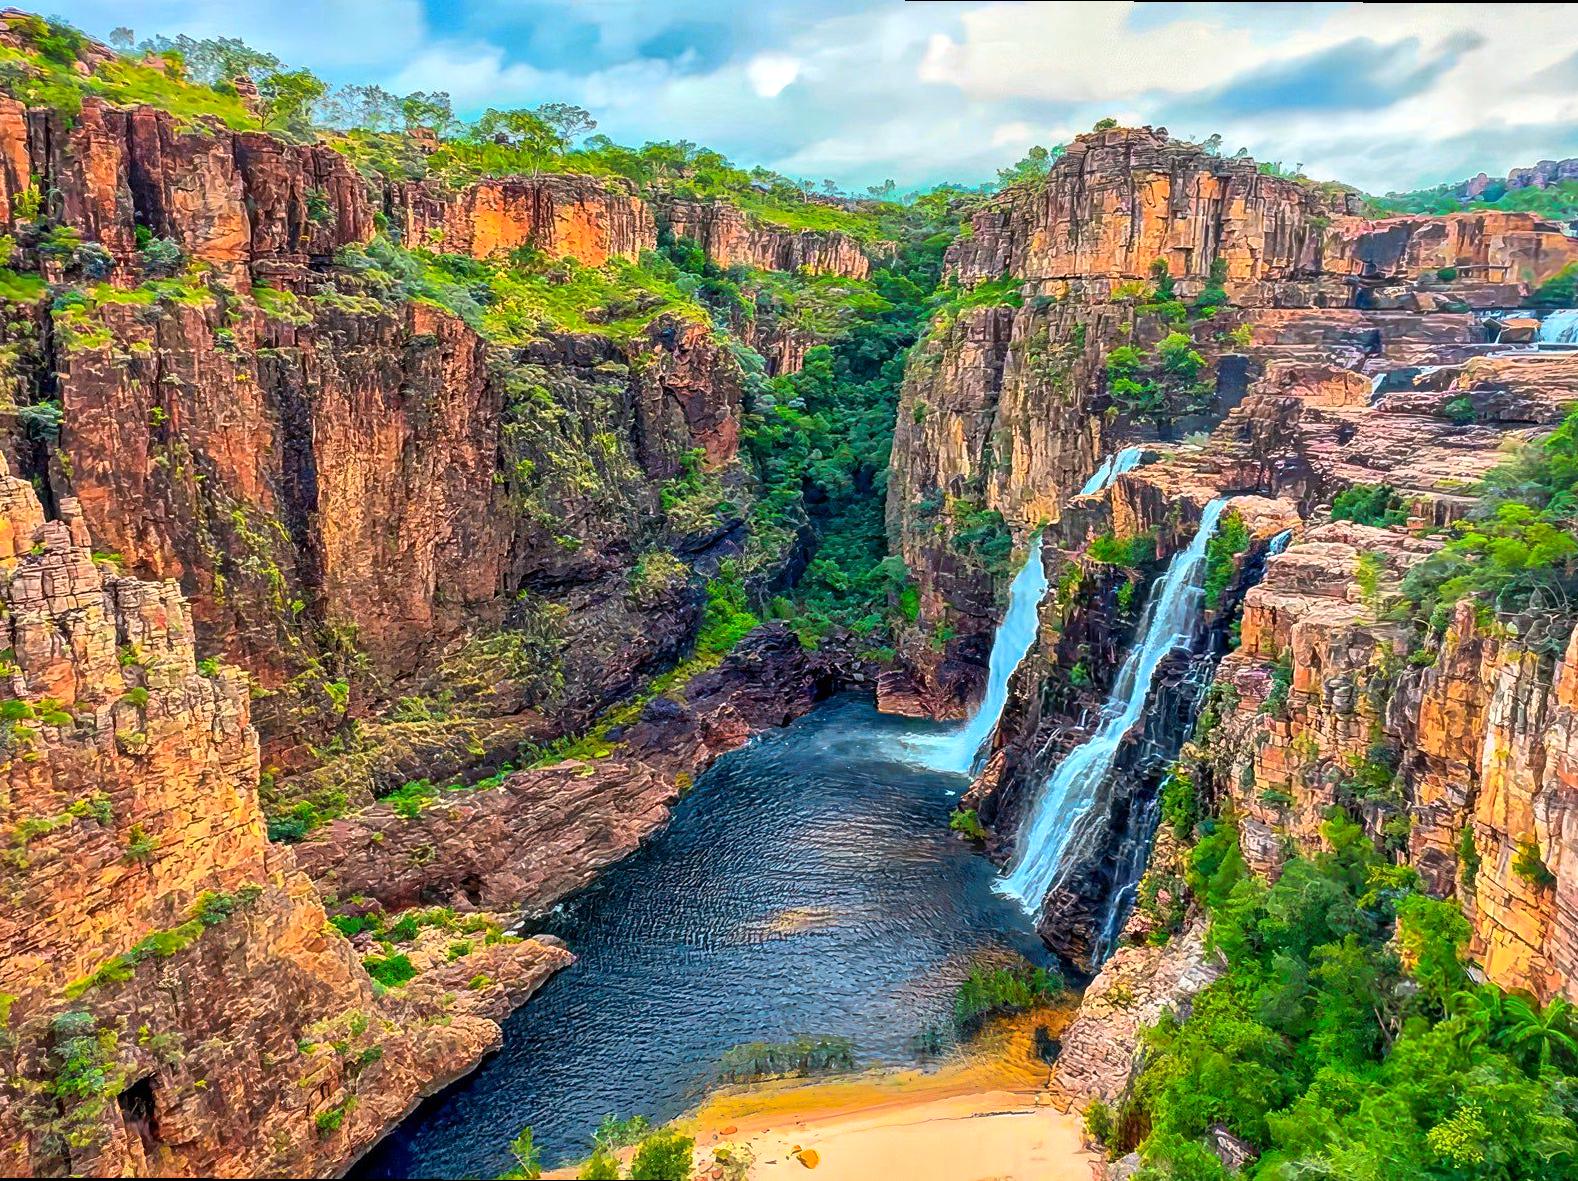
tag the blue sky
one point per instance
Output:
(1382, 96)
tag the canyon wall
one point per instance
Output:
(184, 1008)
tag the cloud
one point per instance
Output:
(770, 73)
(1383, 96)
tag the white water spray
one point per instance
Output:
(1111, 468)
(1560, 327)
(1168, 623)
(956, 750)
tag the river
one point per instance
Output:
(807, 884)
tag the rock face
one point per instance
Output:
(1476, 745)
(1540, 176)
(150, 927)
(241, 201)
(543, 834)
(732, 237)
(589, 220)
(1008, 409)
(1100, 1054)
(1346, 358)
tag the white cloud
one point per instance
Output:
(863, 89)
(770, 73)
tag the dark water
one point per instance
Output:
(807, 884)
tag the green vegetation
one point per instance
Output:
(662, 1156)
(1369, 504)
(1221, 556)
(1558, 202)
(389, 971)
(990, 991)
(44, 73)
(1517, 551)
(209, 910)
(1132, 553)
(805, 1056)
(1160, 385)
(1346, 1039)
(967, 823)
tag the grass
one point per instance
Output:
(44, 74)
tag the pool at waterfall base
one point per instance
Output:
(807, 884)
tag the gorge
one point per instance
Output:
(507, 633)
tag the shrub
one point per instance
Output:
(805, 1056)
(967, 823)
(1529, 866)
(988, 991)
(1221, 556)
(662, 1156)
(390, 971)
(1369, 504)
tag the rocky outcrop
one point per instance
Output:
(589, 219)
(1100, 1054)
(1540, 176)
(732, 237)
(177, 1003)
(1118, 200)
(243, 202)
(1458, 763)
(542, 834)
(382, 474)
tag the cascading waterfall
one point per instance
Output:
(1278, 543)
(1560, 327)
(1169, 622)
(956, 750)
(1111, 468)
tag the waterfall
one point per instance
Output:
(1169, 622)
(1111, 468)
(1560, 327)
(956, 750)
(1278, 543)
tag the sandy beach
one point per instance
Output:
(983, 1115)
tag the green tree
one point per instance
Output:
(290, 97)
(528, 1161)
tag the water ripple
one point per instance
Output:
(807, 884)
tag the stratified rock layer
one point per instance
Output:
(177, 1002)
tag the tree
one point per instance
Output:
(567, 121)
(520, 129)
(290, 96)
(1535, 1036)
(429, 109)
(215, 59)
(122, 38)
(1105, 124)
(371, 108)
(602, 1165)
(527, 1159)
(1035, 165)
(662, 1156)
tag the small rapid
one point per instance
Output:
(1111, 468)
(1559, 327)
(1169, 622)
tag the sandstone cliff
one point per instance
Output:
(177, 1002)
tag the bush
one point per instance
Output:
(390, 971)
(662, 1156)
(1369, 504)
(987, 992)
(1130, 552)
(967, 823)
(803, 1057)
(1221, 556)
